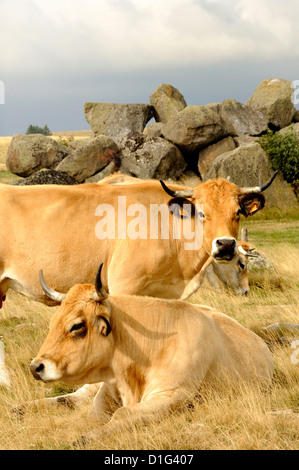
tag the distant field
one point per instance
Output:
(75, 134)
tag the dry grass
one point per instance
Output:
(222, 420)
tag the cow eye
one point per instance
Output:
(242, 265)
(201, 215)
(77, 326)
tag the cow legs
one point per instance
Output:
(213, 279)
(104, 404)
(139, 413)
(72, 400)
(197, 280)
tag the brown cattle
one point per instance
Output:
(151, 355)
(65, 229)
(233, 275)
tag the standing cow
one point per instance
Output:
(56, 228)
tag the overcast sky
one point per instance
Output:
(57, 54)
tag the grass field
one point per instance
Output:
(248, 420)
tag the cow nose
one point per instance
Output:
(244, 291)
(36, 368)
(224, 248)
(226, 243)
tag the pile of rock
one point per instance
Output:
(214, 140)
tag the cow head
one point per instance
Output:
(82, 320)
(223, 203)
(235, 274)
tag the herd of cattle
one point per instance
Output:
(126, 333)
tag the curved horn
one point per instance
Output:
(244, 252)
(260, 189)
(100, 293)
(172, 193)
(51, 293)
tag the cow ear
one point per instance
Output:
(251, 203)
(181, 207)
(103, 325)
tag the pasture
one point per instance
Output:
(250, 419)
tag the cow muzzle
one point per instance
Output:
(44, 370)
(224, 249)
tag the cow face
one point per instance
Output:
(235, 273)
(68, 353)
(223, 203)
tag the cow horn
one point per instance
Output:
(51, 293)
(172, 193)
(100, 293)
(261, 188)
(246, 253)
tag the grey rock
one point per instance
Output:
(89, 157)
(147, 158)
(244, 140)
(249, 166)
(117, 120)
(241, 119)
(108, 170)
(275, 98)
(210, 153)
(167, 101)
(260, 262)
(30, 153)
(154, 129)
(195, 128)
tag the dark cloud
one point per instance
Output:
(57, 55)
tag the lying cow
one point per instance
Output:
(151, 354)
(233, 274)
